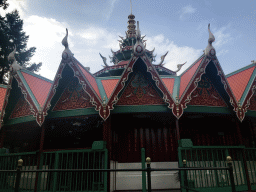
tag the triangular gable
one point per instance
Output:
(247, 99)
(140, 91)
(109, 85)
(186, 77)
(73, 97)
(206, 94)
(239, 80)
(195, 73)
(23, 88)
(105, 111)
(22, 109)
(91, 79)
(38, 85)
(89, 85)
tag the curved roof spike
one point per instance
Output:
(211, 36)
(179, 66)
(121, 37)
(152, 50)
(112, 51)
(145, 45)
(65, 40)
(143, 37)
(104, 60)
(162, 59)
(138, 35)
(11, 56)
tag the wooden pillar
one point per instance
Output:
(3, 132)
(39, 154)
(107, 137)
(243, 154)
(177, 130)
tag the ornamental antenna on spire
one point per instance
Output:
(131, 6)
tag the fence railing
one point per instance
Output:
(214, 156)
(19, 184)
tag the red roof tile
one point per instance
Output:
(91, 80)
(2, 96)
(109, 85)
(186, 77)
(239, 81)
(39, 87)
(169, 83)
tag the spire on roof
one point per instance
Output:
(131, 27)
(14, 66)
(138, 48)
(66, 54)
(210, 51)
(179, 66)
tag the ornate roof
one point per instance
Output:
(103, 89)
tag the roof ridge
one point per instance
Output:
(36, 75)
(84, 67)
(240, 70)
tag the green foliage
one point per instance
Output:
(11, 34)
(4, 4)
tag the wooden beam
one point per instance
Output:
(3, 132)
(107, 137)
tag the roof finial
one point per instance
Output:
(66, 54)
(104, 60)
(131, 6)
(14, 66)
(162, 59)
(210, 51)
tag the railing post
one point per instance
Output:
(143, 157)
(149, 173)
(229, 160)
(185, 174)
(18, 176)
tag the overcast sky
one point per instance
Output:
(180, 27)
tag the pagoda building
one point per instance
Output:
(131, 104)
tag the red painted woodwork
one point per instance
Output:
(73, 97)
(21, 109)
(253, 102)
(206, 94)
(159, 143)
(140, 92)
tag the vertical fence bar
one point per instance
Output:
(106, 173)
(231, 174)
(143, 157)
(55, 174)
(149, 173)
(17, 184)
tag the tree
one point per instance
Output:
(4, 4)
(11, 35)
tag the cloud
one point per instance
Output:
(112, 4)
(222, 37)
(177, 54)
(20, 5)
(46, 35)
(187, 11)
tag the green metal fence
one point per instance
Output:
(250, 154)
(9, 162)
(56, 181)
(215, 156)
